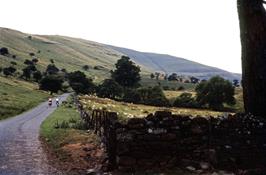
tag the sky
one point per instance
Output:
(205, 31)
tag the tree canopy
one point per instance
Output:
(215, 92)
(127, 74)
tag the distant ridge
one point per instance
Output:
(171, 64)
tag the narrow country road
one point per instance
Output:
(20, 149)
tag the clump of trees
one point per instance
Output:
(215, 92)
(212, 94)
(80, 83)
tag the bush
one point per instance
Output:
(4, 51)
(109, 89)
(166, 88)
(131, 96)
(181, 88)
(9, 71)
(185, 100)
(215, 92)
(28, 62)
(152, 96)
(80, 83)
(51, 69)
(51, 83)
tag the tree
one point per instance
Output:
(31, 54)
(152, 76)
(9, 71)
(26, 73)
(152, 96)
(80, 83)
(215, 92)
(109, 89)
(85, 67)
(4, 51)
(52, 83)
(252, 18)
(13, 63)
(28, 62)
(52, 69)
(236, 83)
(185, 100)
(35, 60)
(37, 76)
(126, 73)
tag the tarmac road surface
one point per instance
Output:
(20, 149)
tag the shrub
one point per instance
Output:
(13, 63)
(152, 96)
(31, 54)
(4, 51)
(9, 71)
(185, 100)
(51, 83)
(28, 62)
(131, 96)
(166, 88)
(181, 88)
(85, 67)
(109, 89)
(80, 83)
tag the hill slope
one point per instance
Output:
(170, 64)
(73, 53)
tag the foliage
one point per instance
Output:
(109, 89)
(4, 51)
(80, 83)
(152, 96)
(185, 100)
(9, 71)
(52, 83)
(131, 95)
(215, 92)
(26, 73)
(127, 74)
(35, 60)
(51, 69)
(85, 67)
(28, 62)
(37, 75)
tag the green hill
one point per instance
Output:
(73, 53)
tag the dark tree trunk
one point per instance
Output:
(252, 17)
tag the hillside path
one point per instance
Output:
(21, 152)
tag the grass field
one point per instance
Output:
(129, 110)
(147, 81)
(18, 96)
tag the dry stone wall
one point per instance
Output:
(164, 141)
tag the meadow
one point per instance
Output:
(18, 96)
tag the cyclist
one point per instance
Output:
(50, 101)
(57, 102)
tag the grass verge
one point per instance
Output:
(70, 149)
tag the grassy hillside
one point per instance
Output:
(18, 96)
(171, 64)
(68, 53)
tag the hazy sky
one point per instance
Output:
(205, 31)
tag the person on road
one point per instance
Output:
(57, 102)
(50, 101)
